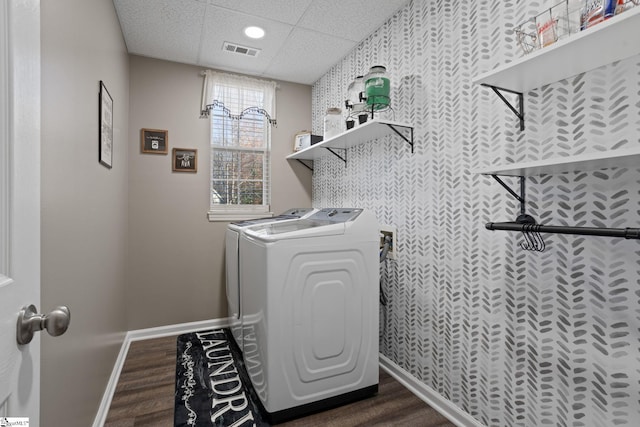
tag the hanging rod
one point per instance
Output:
(627, 233)
(217, 104)
(531, 231)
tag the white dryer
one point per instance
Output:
(309, 302)
(232, 265)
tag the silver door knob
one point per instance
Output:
(30, 322)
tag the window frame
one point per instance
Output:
(238, 212)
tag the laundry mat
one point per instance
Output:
(212, 385)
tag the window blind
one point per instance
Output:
(240, 165)
(240, 110)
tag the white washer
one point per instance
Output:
(310, 311)
(232, 265)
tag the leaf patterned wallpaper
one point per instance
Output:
(514, 338)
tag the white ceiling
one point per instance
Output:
(304, 38)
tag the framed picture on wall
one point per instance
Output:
(106, 127)
(185, 160)
(154, 141)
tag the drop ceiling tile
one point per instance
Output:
(307, 55)
(224, 25)
(304, 37)
(165, 29)
(353, 20)
(287, 11)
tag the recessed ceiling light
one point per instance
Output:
(254, 32)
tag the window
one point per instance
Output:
(240, 160)
(240, 109)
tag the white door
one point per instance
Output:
(19, 203)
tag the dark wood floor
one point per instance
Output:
(145, 390)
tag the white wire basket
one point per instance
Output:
(564, 19)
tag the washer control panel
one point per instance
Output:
(336, 214)
(293, 213)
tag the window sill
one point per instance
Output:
(217, 216)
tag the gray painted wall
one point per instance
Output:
(176, 256)
(514, 338)
(84, 205)
(131, 247)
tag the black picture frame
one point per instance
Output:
(105, 147)
(154, 141)
(184, 160)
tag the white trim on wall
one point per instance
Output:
(182, 328)
(431, 397)
(103, 410)
(5, 170)
(145, 334)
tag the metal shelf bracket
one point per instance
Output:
(520, 198)
(344, 159)
(407, 140)
(519, 112)
(305, 165)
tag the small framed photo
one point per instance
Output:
(185, 160)
(106, 127)
(302, 140)
(154, 141)
(305, 139)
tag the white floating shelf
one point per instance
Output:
(615, 39)
(373, 129)
(581, 162)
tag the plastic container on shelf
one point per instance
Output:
(332, 123)
(355, 93)
(377, 88)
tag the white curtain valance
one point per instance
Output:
(247, 94)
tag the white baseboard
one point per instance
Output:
(101, 416)
(145, 334)
(182, 328)
(432, 398)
